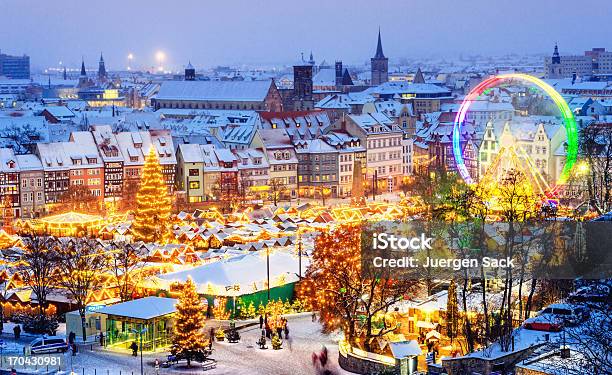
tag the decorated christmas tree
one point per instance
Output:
(153, 205)
(189, 336)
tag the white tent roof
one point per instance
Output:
(143, 308)
(244, 269)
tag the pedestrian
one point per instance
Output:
(74, 349)
(134, 348)
(286, 331)
(314, 316)
(157, 365)
(261, 321)
(279, 331)
(101, 338)
(268, 330)
(71, 337)
(17, 331)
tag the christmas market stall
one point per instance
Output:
(151, 317)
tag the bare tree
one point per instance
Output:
(595, 147)
(82, 265)
(128, 194)
(244, 190)
(36, 267)
(78, 198)
(590, 348)
(277, 190)
(128, 263)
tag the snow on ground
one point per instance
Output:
(243, 358)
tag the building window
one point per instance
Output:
(194, 172)
(194, 184)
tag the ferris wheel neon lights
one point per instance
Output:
(571, 131)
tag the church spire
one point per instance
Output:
(379, 50)
(101, 68)
(83, 72)
(418, 77)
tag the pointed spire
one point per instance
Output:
(418, 77)
(83, 72)
(65, 75)
(379, 50)
(101, 69)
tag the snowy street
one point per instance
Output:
(241, 358)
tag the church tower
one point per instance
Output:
(83, 81)
(189, 72)
(302, 87)
(102, 76)
(379, 65)
(554, 67)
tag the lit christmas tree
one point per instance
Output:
(348, 297)
(189, 336)
(153, 206)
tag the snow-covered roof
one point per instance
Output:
(244, 270)
(143, 308)
(29, 162)
(60, 112)
(8, 161)
(325, 77)
(405, 349)
(314, 146)
(249, 91)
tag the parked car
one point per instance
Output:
(595, 293)
(49, 344)
(544, 322)
(570, 314)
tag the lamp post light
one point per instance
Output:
(130, 57)
(140, 332)
(160, 56)
(268, 270)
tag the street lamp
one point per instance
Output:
(268, 269)
(160, 56)
(130, 57)
(140, 332)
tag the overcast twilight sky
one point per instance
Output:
(231, 32)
